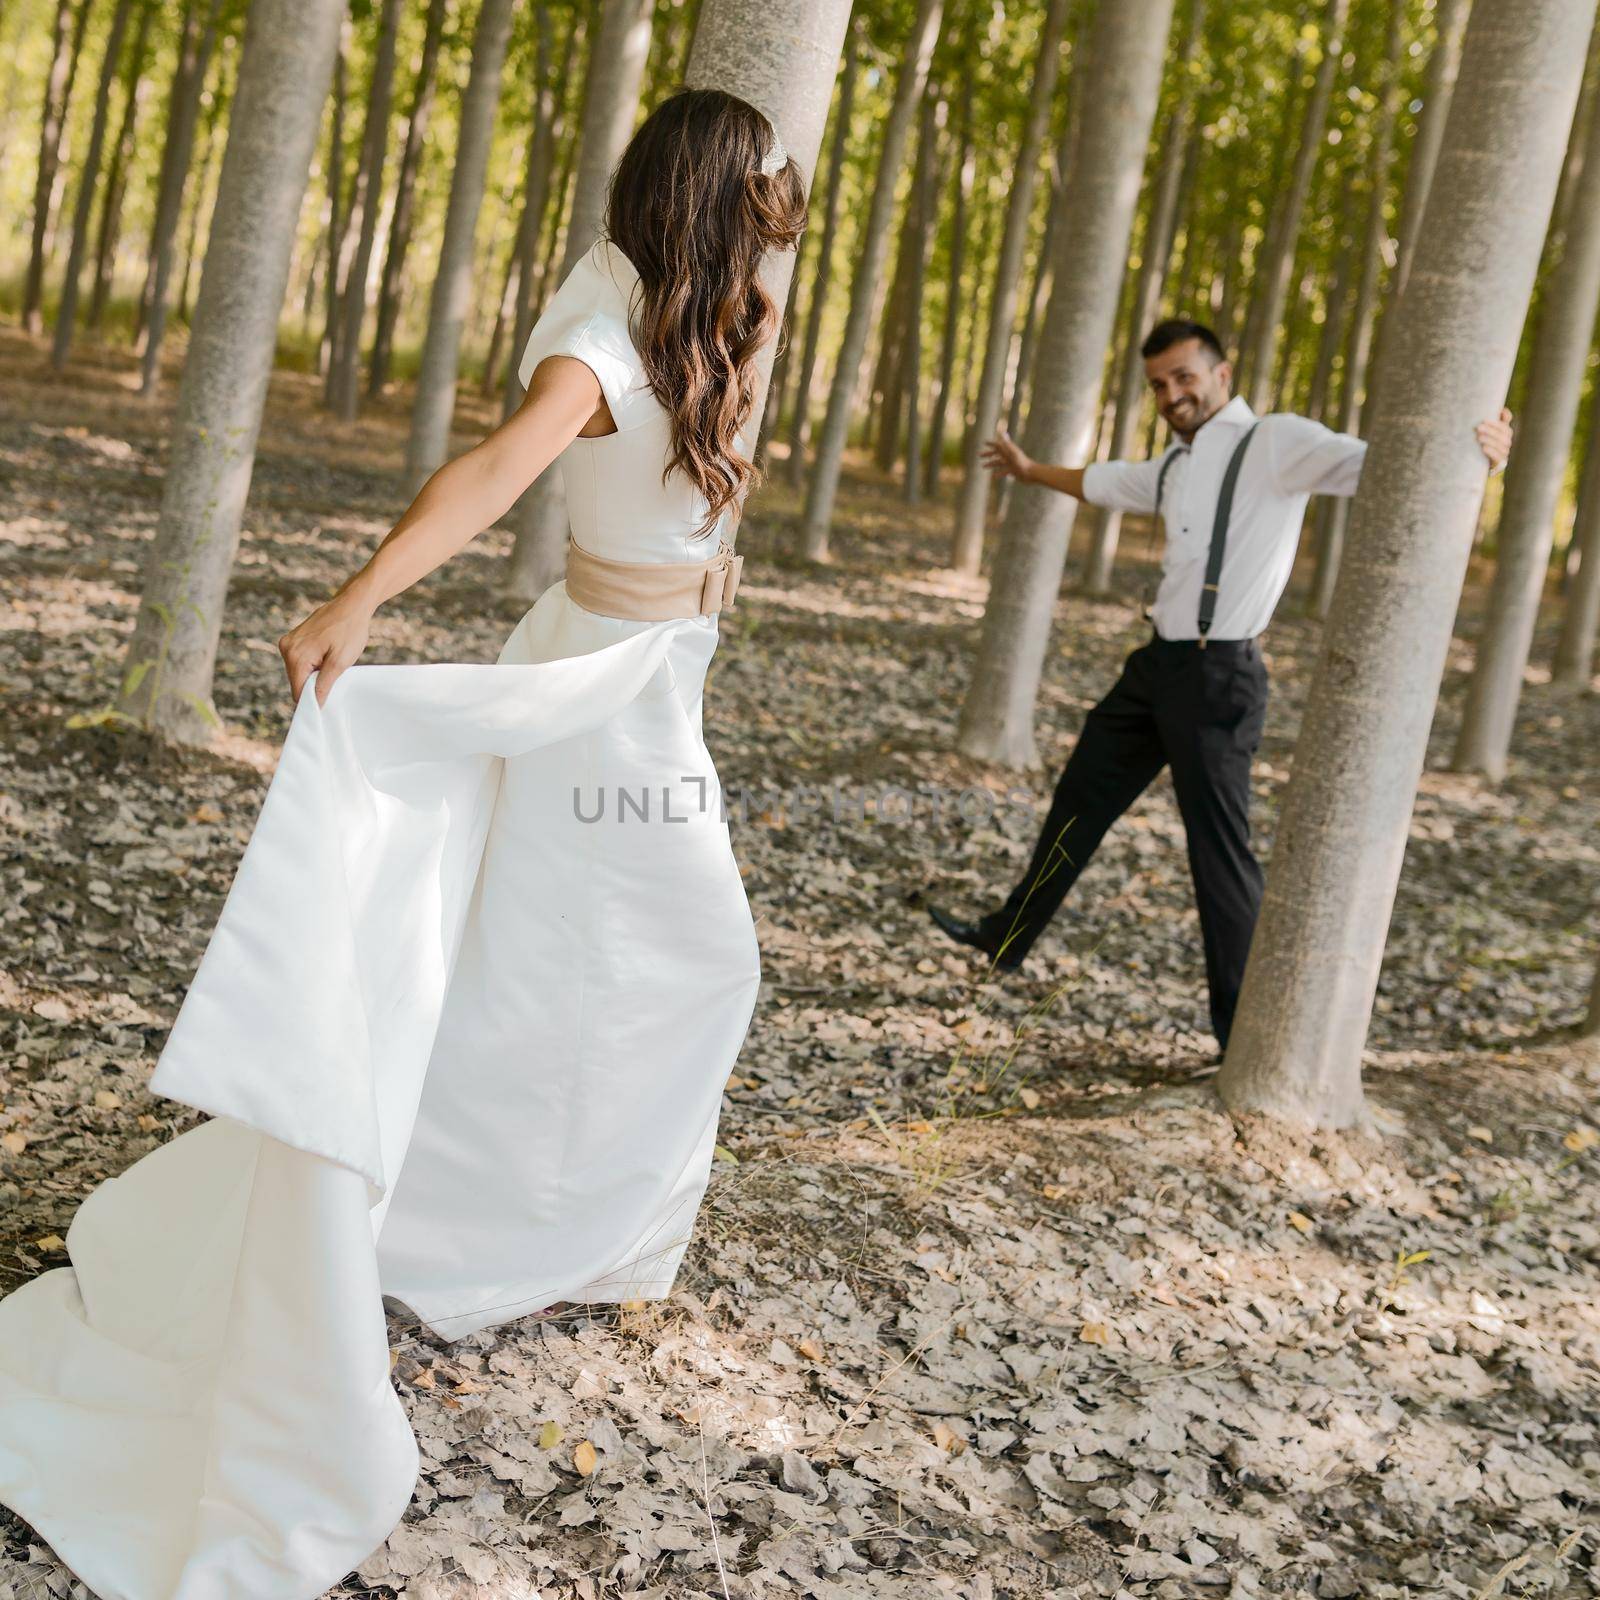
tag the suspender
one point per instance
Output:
(1219, 528)
(1161, 484)
(1219, 533)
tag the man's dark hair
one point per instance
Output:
(1175, 330)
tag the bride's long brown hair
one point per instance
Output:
(691, 208)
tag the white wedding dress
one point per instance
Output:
(463, 1043)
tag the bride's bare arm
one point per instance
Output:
(465, 496)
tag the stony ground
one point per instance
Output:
(988, 1298)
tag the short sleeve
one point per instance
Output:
(1122, 485)
(587, 318)
(1308, 458)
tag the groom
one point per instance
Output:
(1231, 493)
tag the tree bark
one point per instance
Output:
(88, 177)
(966, 548)
(429, 443)
(284, 73)
(782, 56)
(964, 170)
(925, 209)
(343, 383)
(1439, 84)
(824, 484)
(1533, 482)
(610, 108)
(1280, 267)
(1295, 1049)
(547, 131)
(1336, 512)
(1580, 619)
(822, 276)
(64, 55)
(1124, 54)
(1155, 259)
(117, 177)
(183, 122)
(423, 95)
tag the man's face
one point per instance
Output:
(1188, 389)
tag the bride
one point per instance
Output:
(464, 1023)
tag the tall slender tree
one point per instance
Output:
(964, 168)
(1121, 71)
(115, 188)
(1296, 1044)
(1155, 259)
(823, 272)
(423, 96)
(343, 382)
(285, 69)
(1580, 618)
(823, 487)
(610, 109)
(429, 444)
(66, 47)
(1278, 269)
(1533, 483)
(1336, 512)
(782, 56)
(966, 549)
(1438, 85)
(88, 177)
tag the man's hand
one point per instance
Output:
(1004, 455)
(1494, 438)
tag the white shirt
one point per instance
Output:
(1290, 459)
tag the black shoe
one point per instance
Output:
(976, 935)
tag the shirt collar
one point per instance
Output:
(1235, 414)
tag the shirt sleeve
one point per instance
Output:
(1122, 485)
(1307, 458)
(587, 319)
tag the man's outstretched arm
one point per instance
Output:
(1118, 485)
(1308, 458)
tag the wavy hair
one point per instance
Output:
(691, 208)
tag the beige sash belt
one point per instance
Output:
(653, 591)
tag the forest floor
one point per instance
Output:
(988, 1297)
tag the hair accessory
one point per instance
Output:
(776, 158)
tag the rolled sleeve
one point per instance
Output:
(1122, 485)
(1308, 458)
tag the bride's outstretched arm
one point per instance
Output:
(465, 496)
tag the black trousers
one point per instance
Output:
(1199, 711)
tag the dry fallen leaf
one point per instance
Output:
(1581, 1138)
(51, 1241)
(584, 1457)
(550, 1436)
(948, 1439)
(1299, 1221)
(1095, 1333)
(1479, 1132)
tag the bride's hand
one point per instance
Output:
(327, 642)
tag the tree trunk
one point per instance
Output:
(88, 177)
(1295, 1048)
(926, 211)
(52, 120)
(822, 276)
(423, 96)
(183, 122)
(610, 107)
(824, 485)
(966, 548)
(117, 177)
(964, 170)
(1123, 58)
(343, 383)
(334, 243)
(1155, 257)
(1279, 268)
(547, 131)
(1580, 619)
(1439, 84)
(883, 392)
(1533, 482)
(214, 140)
(1336, 512)
(284, 72)
(429, 444)
(782, 56)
